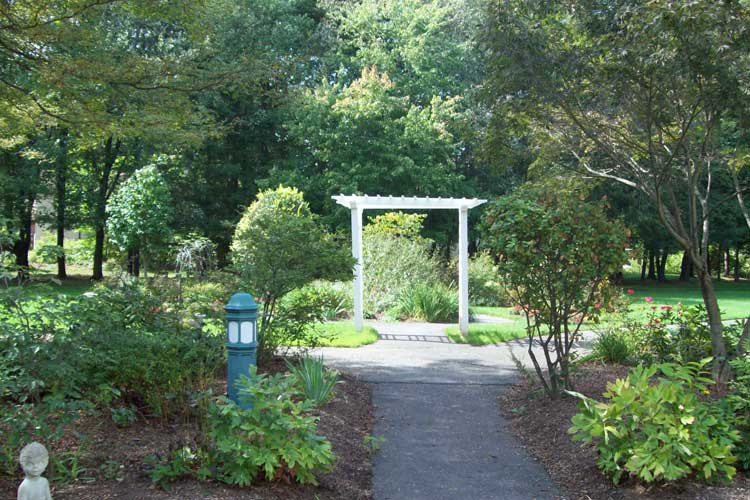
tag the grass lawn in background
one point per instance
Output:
(487, 333)
(343, 334)
(734, 298)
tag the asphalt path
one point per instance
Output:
(437, 410)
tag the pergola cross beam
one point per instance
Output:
(357, 204)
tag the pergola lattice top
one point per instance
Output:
(405, 202)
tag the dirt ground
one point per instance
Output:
(542, 426)
(116, 458)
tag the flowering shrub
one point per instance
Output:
(671, 333)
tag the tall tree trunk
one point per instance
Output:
(651, 265)
(643, 265)
(720, 371)
(686, 267)
(22, 245)
(98, 272)
(107, 185)
(61, 177)
(727, 262)
(662, 269)
(718, 259)
(737, 262)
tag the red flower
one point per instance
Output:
(631, 291)
(653, 308)
(666, 308)
(657, 321)
(598, 305)
(649, 299)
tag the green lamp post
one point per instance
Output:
(242, 341)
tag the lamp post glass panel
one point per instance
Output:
(242, 342)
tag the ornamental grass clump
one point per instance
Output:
(315, 381)
(660, 430)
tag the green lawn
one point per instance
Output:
(734, 298)
(344, 334)
(734, 301)
(487, 333)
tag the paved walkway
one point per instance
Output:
(437, 408)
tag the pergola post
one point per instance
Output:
(357, 254)
(463, 271)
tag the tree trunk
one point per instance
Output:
(686, 267)
(98, 273)
(107, 184)
(737, 262)
(718, 259)
(22, 245)
(662, 269)
(719, 370)
(727, 262)
(60, 193)
(651, 265)
(134, 262)
(643, 266)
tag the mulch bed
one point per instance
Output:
(345, 421)
(542, 426)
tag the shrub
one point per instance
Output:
(296, 318)
(80, 251)
(671, 334)
(314, 379)
(739, 404)
(139, 215)
(398, 224)
(555, 254)
(279, 246)
(334, 298)
(613, 346)
(485, 288)
(393, 266)
(120, 346)
(47, 254)
(661, 431)
(432, 303)
(276, 438)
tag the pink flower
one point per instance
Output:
(631, 291)
(598, 305)
(649, 299)
(666, 308)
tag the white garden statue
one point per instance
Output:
(34, 459)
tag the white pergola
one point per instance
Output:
(357, 204)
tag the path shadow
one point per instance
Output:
(405, 337)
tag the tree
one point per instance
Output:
(276, 46)
(428, 48)
(139, 216)
(555, 254)
(637, 96)
(279, 246)
(364, 138)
